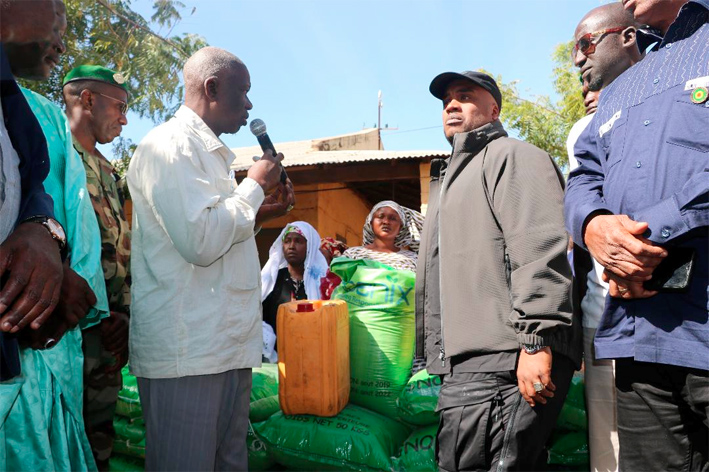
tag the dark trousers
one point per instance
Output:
(663, 415)
(485, 424)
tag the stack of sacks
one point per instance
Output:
(355, 439)
(368, 434)
(417, 406)
(263, 404)
(568, 448)
(129, 446)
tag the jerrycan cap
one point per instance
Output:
(304, 307)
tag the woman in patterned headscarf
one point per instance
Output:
(391, 236)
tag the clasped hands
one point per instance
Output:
(629, 259)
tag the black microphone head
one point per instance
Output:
(258, 127)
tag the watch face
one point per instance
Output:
(56, 229)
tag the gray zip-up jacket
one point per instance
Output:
(493, 272)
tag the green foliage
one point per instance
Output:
(123, 149)
(541, 121)
(110, 33)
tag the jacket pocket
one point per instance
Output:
(689, 124)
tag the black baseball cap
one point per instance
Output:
(441, 82)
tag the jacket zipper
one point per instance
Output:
(442, 354)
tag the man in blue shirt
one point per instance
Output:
(639, 199)
(30, 264)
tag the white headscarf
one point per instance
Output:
(315, 263)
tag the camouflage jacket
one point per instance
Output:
(107, 198)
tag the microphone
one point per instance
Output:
(258, 128)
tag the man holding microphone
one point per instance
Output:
(195, 328)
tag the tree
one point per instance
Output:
(110, 33)
(541, 121)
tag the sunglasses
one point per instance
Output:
(124, 105)
(587, 43)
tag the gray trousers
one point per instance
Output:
(196, 423)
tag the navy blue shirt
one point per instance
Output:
(646, 155)
(28, 141)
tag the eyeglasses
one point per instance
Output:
(587, 43)
(124, 105)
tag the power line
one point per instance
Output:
(541, 107)
(413, 130)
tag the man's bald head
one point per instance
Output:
(615, 50)
(216, 84)
(208, 62)
(611, 14)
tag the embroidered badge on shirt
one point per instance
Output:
(699, 95)
(608, 125)
(696, 83)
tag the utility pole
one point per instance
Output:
(379, 119)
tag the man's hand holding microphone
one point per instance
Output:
(282, 200)
(280, 196)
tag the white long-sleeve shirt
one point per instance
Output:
(196, 297)
(594, 301)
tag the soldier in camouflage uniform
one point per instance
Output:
(96, 100)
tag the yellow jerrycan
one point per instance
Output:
(313, 357)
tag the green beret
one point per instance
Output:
(97, 73)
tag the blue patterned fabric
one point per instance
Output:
(646, 155)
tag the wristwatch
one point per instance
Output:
(55, 230)
(532, 348)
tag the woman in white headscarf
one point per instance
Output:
(293, 271)
(391, 236)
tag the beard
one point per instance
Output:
(595, 83)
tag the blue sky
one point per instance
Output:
(317, 66)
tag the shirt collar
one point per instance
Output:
(211, 141)
(688, 15)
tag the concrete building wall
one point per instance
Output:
(341, 212)
(425, 178)
(333, 211)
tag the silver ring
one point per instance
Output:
(290, 207)
(538, 387)
(622, 289)
(50, 343)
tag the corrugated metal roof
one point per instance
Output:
(244, 158)
(360, 146)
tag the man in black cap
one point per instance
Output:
(494, 315)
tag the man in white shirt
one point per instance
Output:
(606, 46)
(195, 328)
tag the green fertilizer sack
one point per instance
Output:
(418, 452)
(129, 448)
(132, 430)
(259, 458)
(355, 439)
(569, 450)
(264, 392)
(382, 330)
(417, 402)
(120, 463)
(573, 413)
(128, 403)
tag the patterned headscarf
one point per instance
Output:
(411, 226)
